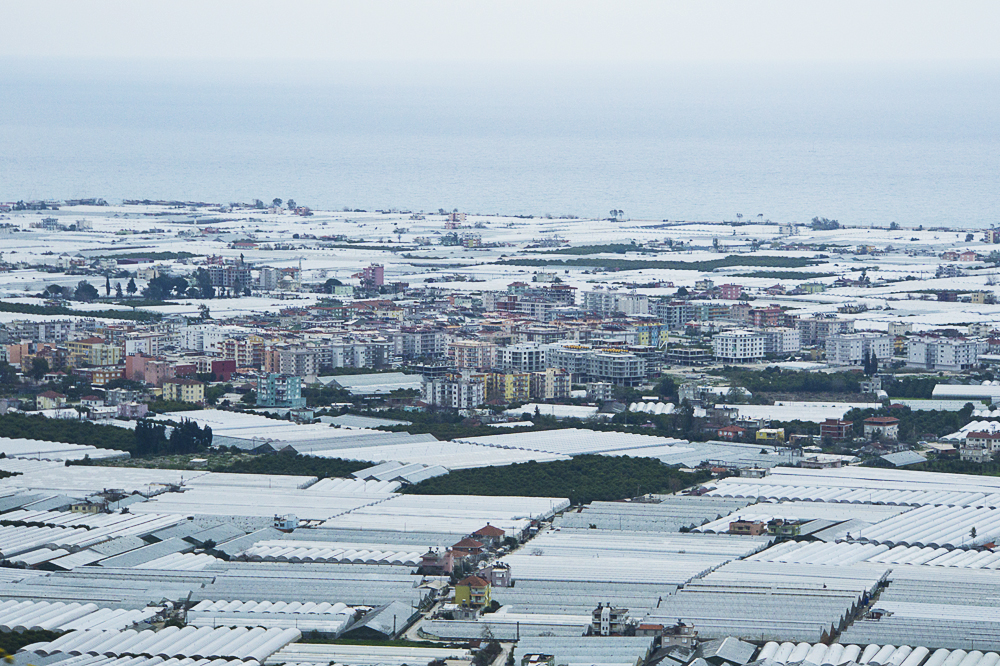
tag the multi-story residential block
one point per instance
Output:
(373, 276)
(953, 354)
(527, 357)
(230, 276)
(851, 348)
(93, 351)
(150, 369)
(771, 316)
(738, 346)
(730, 292)
(814, 330)
(278, 390)
(508, 387)
(184, 390)
(455, 392)
(550, 384)
(270, 278)
(413, 343)
(472, 354)
(604, 303)
(780, 340)
(616, 366)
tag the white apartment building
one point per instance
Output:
(455, 393)
(525, 357)
(205, 337)
(781, 340)
(738, 346)
(603, 302)
(850, 348)
(954, 354)
(472, 354)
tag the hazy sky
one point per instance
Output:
(508, 32)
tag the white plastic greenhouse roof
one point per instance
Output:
(55, 451)
(102, 660)
(262, 502)
(194, 642)
(573, 441)
(312, 654)
(450, 514)
(57, 616)
(305, 551)
(451, 455)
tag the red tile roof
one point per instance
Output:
(474, 581)
(489, 531)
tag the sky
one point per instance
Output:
(508, 33)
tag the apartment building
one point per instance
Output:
(522, 357)
(738, 346)
(279, 390)
(472, 354)
(184, 390)
(815, 330)
(952, 354)
(455, 392)
(851, 348)
(93, 351)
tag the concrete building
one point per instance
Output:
(526, 357)
(882, 427)
(836, 429)
(851, 348)
(979, 446)
(954, 354)
(277, 390)
(269, 279)
(472, 354)
(373, 276)
(184, 390)
(94, 351)
(604, 303)
(815, 330)
(609, 620)
(456, 393)
(550, 384)
(730, 292)
(738, 346)
(781, 340)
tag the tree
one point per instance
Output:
(204, 282)
(85, 292)
(969, 238)
(107, 285)
(972, 533)
(39, 367)
(203, 312)
(291, 204)
(257, 203)
(276, 201)
(131, 288)
(894, 226)
(118, 290)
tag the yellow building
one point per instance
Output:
(510, 387)
(473, 592)
(94, 351)
(184, 390)
(771, 435)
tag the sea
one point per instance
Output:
(916, 144)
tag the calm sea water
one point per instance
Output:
(862, 145)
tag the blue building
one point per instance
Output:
(275, 390)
